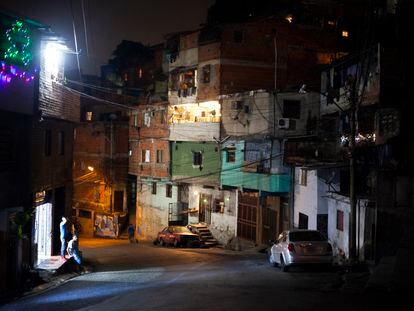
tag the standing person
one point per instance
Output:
(63, 234)
(73, 249)
(131, 233)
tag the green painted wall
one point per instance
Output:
(182, 161)
(232, 175)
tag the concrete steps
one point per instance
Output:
(204, 233)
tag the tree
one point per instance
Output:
(129, 54)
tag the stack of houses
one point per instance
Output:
(242, 129)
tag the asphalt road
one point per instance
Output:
(146, 277)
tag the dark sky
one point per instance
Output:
(110, 21)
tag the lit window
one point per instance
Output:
(345, 33)
(146, 156)
(89, 116)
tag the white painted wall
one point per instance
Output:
(199, 131)
(306, 198)
(340, 239)
(186, 58)
(223, 225)
(152, 210)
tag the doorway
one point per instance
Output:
(205, 208)
(43, 231)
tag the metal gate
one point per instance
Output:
(247, 218)
(270, 219)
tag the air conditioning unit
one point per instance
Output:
(283, 123)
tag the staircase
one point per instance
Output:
(204, 233)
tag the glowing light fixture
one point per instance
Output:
(345, 33)
(91, 168)
(53, 57)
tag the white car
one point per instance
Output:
(297, 247)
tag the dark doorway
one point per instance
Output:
(322, 223)
(303, 221)
(119, 201)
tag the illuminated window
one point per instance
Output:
(345, 33)
(140, 73)
(146, 156)
(89, 116)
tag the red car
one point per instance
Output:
(177, 236)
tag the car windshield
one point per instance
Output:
(180, 230)
(306, 236)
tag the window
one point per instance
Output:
(340, 220)
(303, 177)
(238, 36)
(159, 156)
(154, 188)
(218, 206)
(88, 115)
(85, 214)
(162, 116)
(135, 120)
(168, 190)
(48, 142)
(61, 143)
(197, 158)
(146, 156)
(231, 155)
(291, 109)
(206, 73)
(147, 119)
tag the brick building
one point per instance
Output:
(38, 116)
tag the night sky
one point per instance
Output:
(110, 21)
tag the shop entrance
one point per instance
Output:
(43, 231)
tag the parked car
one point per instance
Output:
(297, 247)
(177, 236)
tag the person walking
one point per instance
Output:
(63, 234)
(131, 233)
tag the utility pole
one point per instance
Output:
(352, 196)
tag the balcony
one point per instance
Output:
(194, 122)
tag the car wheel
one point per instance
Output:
(271, 261)
(283, 266)
(162, 243)
(176, 244)
(155, 242)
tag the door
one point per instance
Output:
(205, 208)
(247, 211)
(119, 201)
(43, 231)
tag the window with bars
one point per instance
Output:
(197, 158)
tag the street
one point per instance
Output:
(146, 277)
